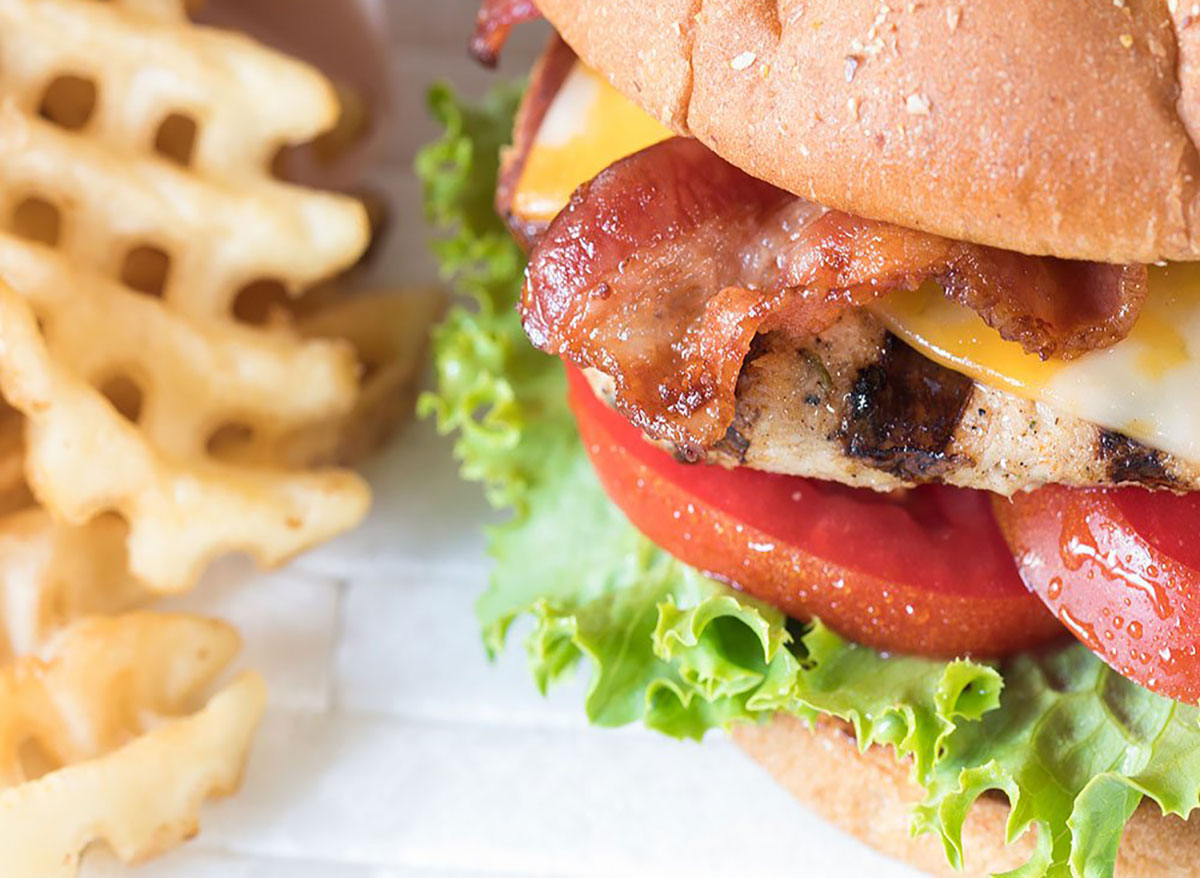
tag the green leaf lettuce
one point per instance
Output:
(1074, 746)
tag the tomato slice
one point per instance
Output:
(925, 572)
(1121, 569)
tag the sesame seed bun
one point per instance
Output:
(869, 795)
(1049, 127)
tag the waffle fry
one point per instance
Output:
(96, 740)
(236, 226)
(353, 124)
(164, 398)
(180, 515)
(193, 377)
(52, 574)
(136, 222)
(388, 331)
(14, 494)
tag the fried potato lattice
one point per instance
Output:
(106, 738)
(388, 330)
(52, 574)
(180, 515)
(135, 150)
(154, 413)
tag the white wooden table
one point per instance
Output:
(391, 747)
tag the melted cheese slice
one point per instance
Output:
(588, 127)
(1146, 386)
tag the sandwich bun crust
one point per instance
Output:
(1044, 126)
(869, 795)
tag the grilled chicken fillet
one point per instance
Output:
(856, 405)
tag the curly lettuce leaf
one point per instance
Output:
(1074, 746)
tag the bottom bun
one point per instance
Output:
(869, 795)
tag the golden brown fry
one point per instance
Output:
(138, 220)
(181, 515)
(353, 125)
(388, 331)
(96, 740)
(217, 228)
(52, 574)
(14, 493)
(193, 376)
(142, 799)
(143, 235)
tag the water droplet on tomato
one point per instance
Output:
(1118, 621)
(1135, 629)
(1076, 541)
(1082, 630)
(1078, 545)
(1054, 590)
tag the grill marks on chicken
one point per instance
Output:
(664, 268)
(1130, 461)
(901, 413)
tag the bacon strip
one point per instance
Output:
(1052, 307)
(493, 24)
(663, 268)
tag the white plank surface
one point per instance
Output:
(391, 747)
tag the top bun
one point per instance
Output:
(1045, 126)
